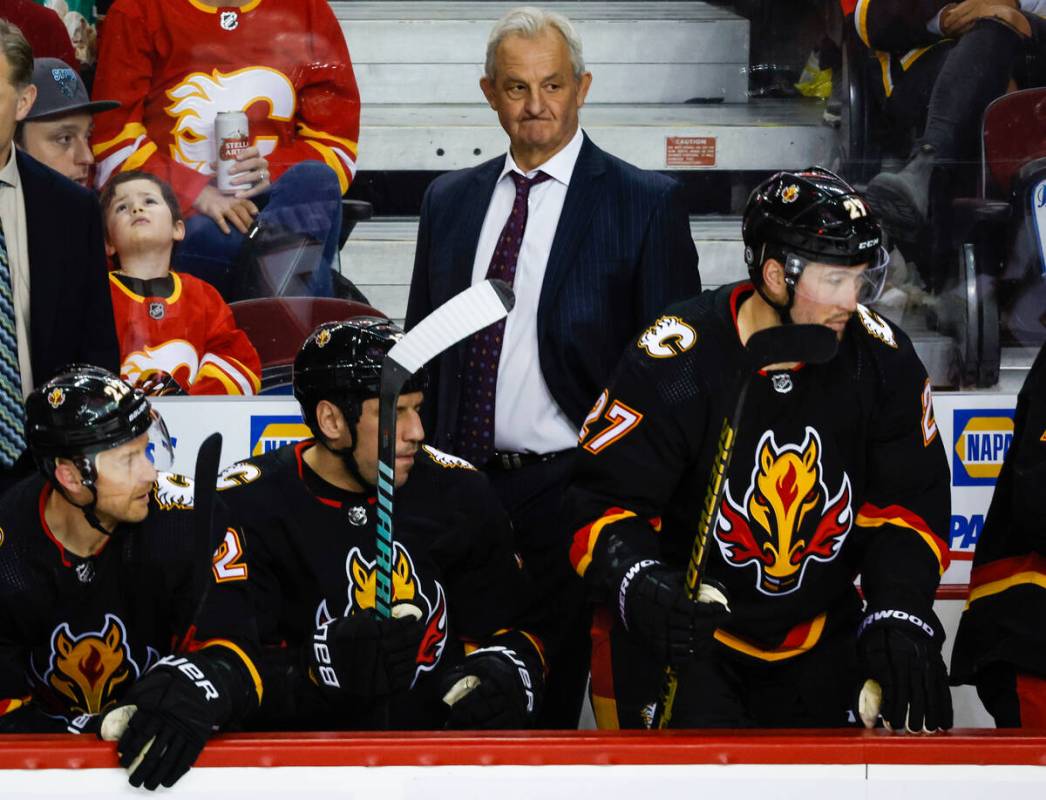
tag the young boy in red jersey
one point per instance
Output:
(176, 333)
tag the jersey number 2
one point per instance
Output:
(620, 417)
(228, 559)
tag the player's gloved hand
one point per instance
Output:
(167, 718)
(901, 652)
(366, 656)
(653, 606)
(494, 688)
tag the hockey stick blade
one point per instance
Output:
(461, 316)
(810, 344)
(464, 314)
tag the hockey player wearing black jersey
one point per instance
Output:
(451, 654)
(1001, 643)
(837, 471)
(101, 579)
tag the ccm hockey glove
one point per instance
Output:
(494, 688)
(167, 717)
(901, 652)
(366, 656)
(653, 606)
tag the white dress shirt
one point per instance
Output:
(526, 417)
(12, 215)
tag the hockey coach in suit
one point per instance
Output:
(593, 247)
(54, 296)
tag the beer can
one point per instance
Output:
(232, 134)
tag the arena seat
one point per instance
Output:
(277, 326)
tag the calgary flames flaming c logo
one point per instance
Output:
(787, 518)
(406, 590)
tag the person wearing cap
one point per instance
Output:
(57, 130)
(54, 290)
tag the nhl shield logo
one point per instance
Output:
(156, 310)
(358, 516)
(56, 397)
(229, 20)
(782, 382)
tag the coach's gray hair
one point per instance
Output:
(529, 22)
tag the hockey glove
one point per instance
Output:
(167, 718)
(366, 656)
(653, 606)
(901, 652)
(494, 688)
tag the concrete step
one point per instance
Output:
(379, 257)
(760, 135)
(654, 52)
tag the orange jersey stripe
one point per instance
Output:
(798, 640)
(869, 516)
(585, 539)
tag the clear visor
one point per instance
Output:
(139, 459)
(834, 284)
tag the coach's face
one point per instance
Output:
(14, 105)
(536, 95)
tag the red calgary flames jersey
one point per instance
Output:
(191, 335)
(174, 64)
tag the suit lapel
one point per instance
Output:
(473, 212)
(574, 219)
(40, 229)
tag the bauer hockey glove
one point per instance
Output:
(366, 656)
(900, 655)
(494, 688)
(167, 717)
(653, 606)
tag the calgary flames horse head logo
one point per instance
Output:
(89, 670)
(787, 518)
(406, 594)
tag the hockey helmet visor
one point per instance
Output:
(837, 284)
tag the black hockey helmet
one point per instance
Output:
(812, 216)
(341, 362)
(83, 411)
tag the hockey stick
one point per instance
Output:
(811, 344)
(205, 489)
(461, 316)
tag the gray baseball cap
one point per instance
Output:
(60, 91)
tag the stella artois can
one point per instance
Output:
(232, 134)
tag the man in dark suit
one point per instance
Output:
(594, 249)
(54, 295)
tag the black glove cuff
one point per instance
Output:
(629, 581)
(910, 622)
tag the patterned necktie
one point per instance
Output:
(12, 437)
(476, 412)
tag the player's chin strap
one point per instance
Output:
(783, 311)
(348, 454)
(88, 474)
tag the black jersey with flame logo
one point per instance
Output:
(76, 633)
(313, 549)
(837, 471)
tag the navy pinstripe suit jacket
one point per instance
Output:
(621, 253)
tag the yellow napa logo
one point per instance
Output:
(272, 432)
(982, 439)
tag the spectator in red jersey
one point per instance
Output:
(174, 65)
(42, 28)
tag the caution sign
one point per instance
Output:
(690, 151)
